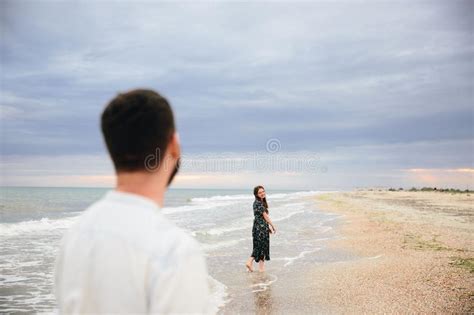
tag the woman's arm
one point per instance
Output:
(267, 218)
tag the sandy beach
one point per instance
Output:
(416, 252)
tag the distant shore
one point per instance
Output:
(417, 249)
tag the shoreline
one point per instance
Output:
(416, 252)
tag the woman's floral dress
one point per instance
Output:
(260, 233)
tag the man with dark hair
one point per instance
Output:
(123, 255)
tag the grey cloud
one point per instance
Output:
(314, 75)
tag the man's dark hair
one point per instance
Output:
(135, 125)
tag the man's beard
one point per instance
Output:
(176, 169)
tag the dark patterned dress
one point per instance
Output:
(260, 233)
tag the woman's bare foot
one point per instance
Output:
(249, 264)
(249, 267)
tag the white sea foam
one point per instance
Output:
(324, 229)
(195, 207)
(322, 239)
(219, 295)
(31, 263)
(222, 230)
(210, 247)
(375, 257)
(291, 260)
(4, 279)
(35, 226)
(250, 197)
(222, 198)
(287, 216)
(262, 286)
(242, 226)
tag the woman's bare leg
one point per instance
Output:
(249, 264)
(261, 265)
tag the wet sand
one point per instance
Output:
(387, 252)
(416, 252)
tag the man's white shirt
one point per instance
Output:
(124, 256)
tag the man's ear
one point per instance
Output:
(174, 146)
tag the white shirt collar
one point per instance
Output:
(132, 199)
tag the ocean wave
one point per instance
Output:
(223, 230)
(289, 215)
(197, 207)
(249, 196)
(36, 226)
(291, 260)
(217, 201)
(4, 279)
(216, 231)
(219, 295)
(210, 247)
(222, 198)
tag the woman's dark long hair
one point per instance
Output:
(264, 200)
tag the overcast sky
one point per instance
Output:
(361, 93)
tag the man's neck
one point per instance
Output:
(142, 184)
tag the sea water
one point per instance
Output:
(33, 220)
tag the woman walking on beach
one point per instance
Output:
(262, 227)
